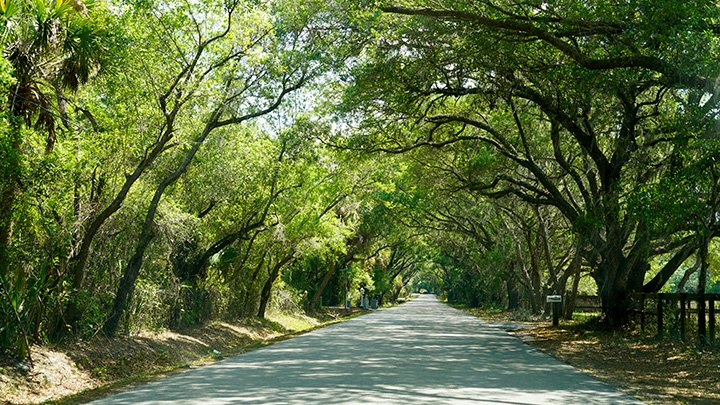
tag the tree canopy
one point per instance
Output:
(166, 163)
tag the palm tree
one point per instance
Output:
(52, 46)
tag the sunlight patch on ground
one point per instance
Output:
(293, 322)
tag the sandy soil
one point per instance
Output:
(101, 364)
(657, 372)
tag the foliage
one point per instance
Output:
(590, 110)
(166, 164)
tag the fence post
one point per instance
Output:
(660, 325)
(712, 319)
(683, 300)
(642, 314)
(702, 331)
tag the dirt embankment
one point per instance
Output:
(82, 370)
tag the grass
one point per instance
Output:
(584, 317)
(497, 314)
(293, 322)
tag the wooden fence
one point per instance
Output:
(676, 313)
(587, 303)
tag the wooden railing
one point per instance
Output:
(587, 303)
(673, 314)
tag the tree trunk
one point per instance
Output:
(572, 296)
(536, 291)
(267, 288)
(702, 281)
(686, 276)
(130, 274)
(612, 290)
(315, 301)
(669, 269)
(513, 296)
(619, 272)
(248, 300)
(617, 280)
(78, 261)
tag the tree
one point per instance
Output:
(574, 96)
(51, 47)
(257, 91)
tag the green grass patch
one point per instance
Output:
(294, 322)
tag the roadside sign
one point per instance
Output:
(554, 298)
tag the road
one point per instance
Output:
(419, 352)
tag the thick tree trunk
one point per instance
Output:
(620, 271)
(702, 281)
(617, 279)
(611, 279)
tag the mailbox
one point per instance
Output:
(556, 301)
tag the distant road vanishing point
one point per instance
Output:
(421, 352)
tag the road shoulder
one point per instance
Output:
(662, 372)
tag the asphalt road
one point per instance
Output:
(419, 352)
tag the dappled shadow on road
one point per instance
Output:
(421, 352)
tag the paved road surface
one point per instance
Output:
(419, 352)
